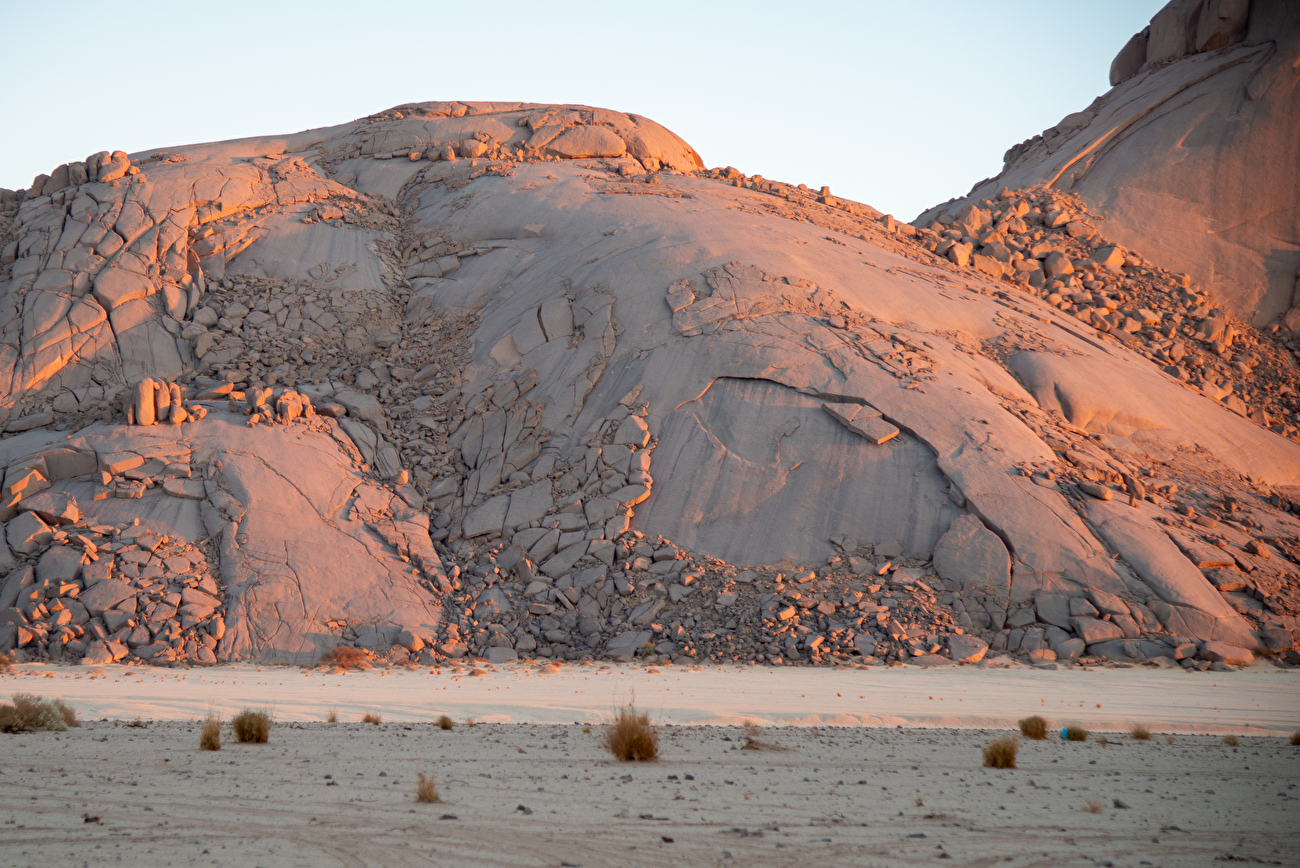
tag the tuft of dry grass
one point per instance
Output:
(252, 727)
(471, 722)
(6, 661)
(1103, 741)
(1001, 754)
(1139, 733)
(444, 722)
(1231, 740)
(345, 657)
(1074, 732)
(1295, 737)
(631, 738)
(1092, 806)
(29, 713)
(586, 729)
(1034, 727)
(371, 718)
(426, 790)
(752, 729)
(210, 737)
(332, 716)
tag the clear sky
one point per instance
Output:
(897, 104)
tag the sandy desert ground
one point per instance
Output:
(866, 768)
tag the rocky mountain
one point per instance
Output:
(1193, 156)
(529, 381)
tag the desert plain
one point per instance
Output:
(878, 766)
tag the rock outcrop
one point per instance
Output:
(1193, 156)
(527, 381)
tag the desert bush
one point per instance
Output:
(68, 713)
(755, 744)
(252, 727)
(444, 722)
(1295, 737)
(1033, 727)
(1169, 739)
(752, 729)
(371, 718)
(6, 661)
(345, 657)
(1139, 733)
(1092, 806)
(631, 738)
(210, 737)
(426, 790)
(1231, 740)
(1103, 741)
(332, 716)
(29, 713)
(1001, 754)
(1074, 732)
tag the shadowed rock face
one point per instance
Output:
(519, 379)
(1192, 157)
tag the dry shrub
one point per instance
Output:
(1169, 739)
(476, 673)
(755, 744)
(1103, 741)
(345, 657)
(1139, 733)
(631, 738)
(210, 737)
(1074, 732)
(30, 713)
(444, 722)
(1295, 737)
(371, 718)
(1231, 740)
(252, 727)
(586, 729)
(1092, 806)
(1001, 754)
(6, 661)
(69, 715)
(752, 729)
(1033, 727)
(332, 716)
(426, 790)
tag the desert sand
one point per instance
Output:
(528, 786)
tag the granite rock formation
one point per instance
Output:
(528, 381)
(1193, 156)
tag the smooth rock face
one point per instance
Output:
(1192, 156)
(973, 557)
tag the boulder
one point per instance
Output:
(59, 564)
(1222, 652)
(54, 507)
(105, 595)
(967, 649)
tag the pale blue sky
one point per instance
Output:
(896, 104)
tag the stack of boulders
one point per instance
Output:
(157, 402)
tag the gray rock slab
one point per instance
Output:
(528, 504)
(105, 595)
(487, 518)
